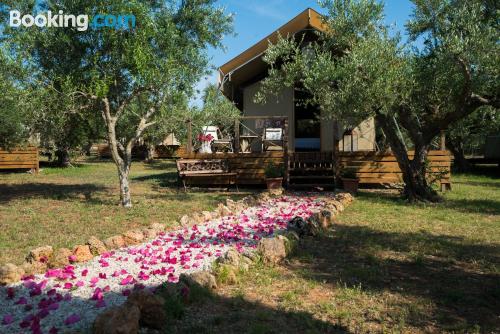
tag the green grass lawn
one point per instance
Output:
(64, 207)
(386, 267)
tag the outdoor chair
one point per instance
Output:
(219, 144)
(272, 139)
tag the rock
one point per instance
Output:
(234, 207)
(96, 246)
(231, 277)
(298, 225)
(272, 250)
(202, 278)
(34, 268)
(118, 320)
(60, 258)
(246, 260)
(230, 204)
(198, 218)
(276, 192)
(134, 237)
(206, 215)
(82, 253)
(338, 206)
(332, 208)
(292, 236)
(151, 307)
(40, 254)
(10, 273)
(252, 256)
(264, 197)
(313, 226)
(326, 218)
(232, 257)
(185, 220)
(114, 242)
(250, 201)
(157, 227)
(215, 214)
(149, 233)
(344, 198)
(223, 210)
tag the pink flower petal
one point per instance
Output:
(7, 319)
(100, 303)
(74, 318)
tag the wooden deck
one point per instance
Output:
(20, 158)
(370, 167)
(382, 167)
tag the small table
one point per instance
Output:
(246, 143)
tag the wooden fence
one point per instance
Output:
(382, 167)
(20, 158)
(103, 151)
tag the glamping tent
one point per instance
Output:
(240, 79)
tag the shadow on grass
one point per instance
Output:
(9, 192)
(438, 268)
(167, 180)
(202, 311)
(482, 206)
(160, 165)
(479, 184)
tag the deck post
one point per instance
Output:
(189, 144)
(237, 136)
(285, 149)
(443, 140)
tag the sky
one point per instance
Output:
(255, 19)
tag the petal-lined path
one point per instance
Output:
(71, 297)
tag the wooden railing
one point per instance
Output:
(382, 167)
(238, 133)
(20, 158)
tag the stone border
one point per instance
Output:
(143, 309)
(40, 259)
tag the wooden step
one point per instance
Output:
(311, 185)
(293, 177)
(310, 169)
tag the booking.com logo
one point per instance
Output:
(80, 22)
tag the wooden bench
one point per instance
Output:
(212, 170)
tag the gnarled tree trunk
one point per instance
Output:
(460, 163)
(63, 157)
(122, 153)
(125, 197)
(414, 171)
(150, 152)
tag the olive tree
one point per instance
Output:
(107, 69)
(356, 70)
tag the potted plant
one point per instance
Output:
(206, 141)
(350, 180)
(274, 176)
